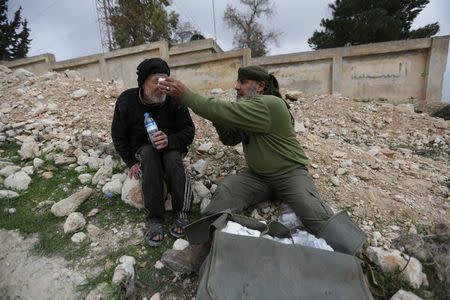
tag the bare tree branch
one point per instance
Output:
(249, 33)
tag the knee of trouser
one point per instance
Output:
(146, 152)
(172, 160)
(172, 155)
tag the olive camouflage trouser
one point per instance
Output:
(296, 188)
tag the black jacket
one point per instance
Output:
(128, 130)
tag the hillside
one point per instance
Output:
(385, 164)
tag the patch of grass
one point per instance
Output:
(31, 217)
(112, 211)
(443, 113)
(28, 217)
(423, 229)
(429, 150)
(104, 276)
(59, 150)
(10, 152)
(349, 208)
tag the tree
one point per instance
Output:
(184, 33)
(14, 35)
(135, 22)
(356, 22)
(249, 33)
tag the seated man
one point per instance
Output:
(153, 165)
(259, 118)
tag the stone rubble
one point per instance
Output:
(379, 161)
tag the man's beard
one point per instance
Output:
(251, 93)
(150, 98)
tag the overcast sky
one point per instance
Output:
(69, 29)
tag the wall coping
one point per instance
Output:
(194, 46)
(244, 53)
(94, 58)
(50, 58)
(350, 51)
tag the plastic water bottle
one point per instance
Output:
(151, 127)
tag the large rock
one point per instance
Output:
(131, 193)
(5, 194)
(102, 174)
(18, 181)
(205, 147)
(71, 203)
(74, 222)
(64, 160)
(125, 269)
(9, 170)
(93, 162)
(83, 159)
(28, 169)
(37, 162)
(78, 94)
(392, 261)
(22, 73)
(200, 166)
(180, 244)
(113, 187)
(85, 178)
(204, 204)
(299, 127)
(119, 176)
(200, 192)
(406, 108)
(111, 162)
(29, 149)
(404, 295)
(4, 163)
(78, 237)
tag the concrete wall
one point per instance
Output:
(39, 64)
(115, 65)
(392, 70)
(210, 71)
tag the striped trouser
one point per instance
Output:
(157, 166)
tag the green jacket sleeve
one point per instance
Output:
(228, 136)
(249, 115)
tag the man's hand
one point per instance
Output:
(134, 170)
(172, 87)
(160, 139)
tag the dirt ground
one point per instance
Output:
(25, 276)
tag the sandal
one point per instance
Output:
(178, 222)
(154, 228)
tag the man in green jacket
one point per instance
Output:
(261, 120)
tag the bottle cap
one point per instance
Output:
(145, 114)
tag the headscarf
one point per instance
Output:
(258, 73)
(151, 66)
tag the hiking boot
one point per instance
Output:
(187, 260)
